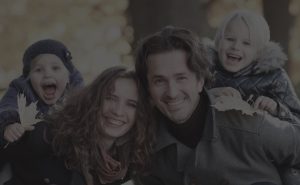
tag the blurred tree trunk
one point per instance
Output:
(280, 21)
(149, 16)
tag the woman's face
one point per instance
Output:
(119, 108)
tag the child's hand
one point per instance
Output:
(266, 103)
(15, 131)
(225, 91)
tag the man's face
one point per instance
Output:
(174, 88)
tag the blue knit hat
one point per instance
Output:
(47, 46)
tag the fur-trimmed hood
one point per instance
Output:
(270, 58)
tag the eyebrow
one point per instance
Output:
(36, 65)
(180, 74)
(115, 96)
(133, 101)
(176, 74)
(157, 76)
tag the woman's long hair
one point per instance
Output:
(76, 134)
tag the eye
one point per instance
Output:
(247, 43)
(132, 104)
(158, 81)
(229, 39)
(181, 78)
(55, 68)
(37, 69)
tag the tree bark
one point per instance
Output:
(149, 16)
(280, 21)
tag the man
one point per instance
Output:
(197, 144)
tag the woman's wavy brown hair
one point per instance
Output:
(75, 127)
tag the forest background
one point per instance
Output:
(103, 33)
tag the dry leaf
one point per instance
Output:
(27, 113)
(224, 103)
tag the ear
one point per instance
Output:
(200, 84)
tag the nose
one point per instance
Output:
(172, 90)
(236, 45)
(48, 73)
(118, 109)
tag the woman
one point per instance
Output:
(104, 131)
(102, 135)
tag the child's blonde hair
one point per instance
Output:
(258, 27)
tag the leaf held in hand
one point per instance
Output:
(224, 103)
(27, 113)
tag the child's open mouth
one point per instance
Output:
(49, 90)
(234, 58)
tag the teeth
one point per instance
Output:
(234, 56)
(174, 103)
(48, 82)
(115, 122)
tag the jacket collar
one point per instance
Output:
(165, 139)
(210, 132)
